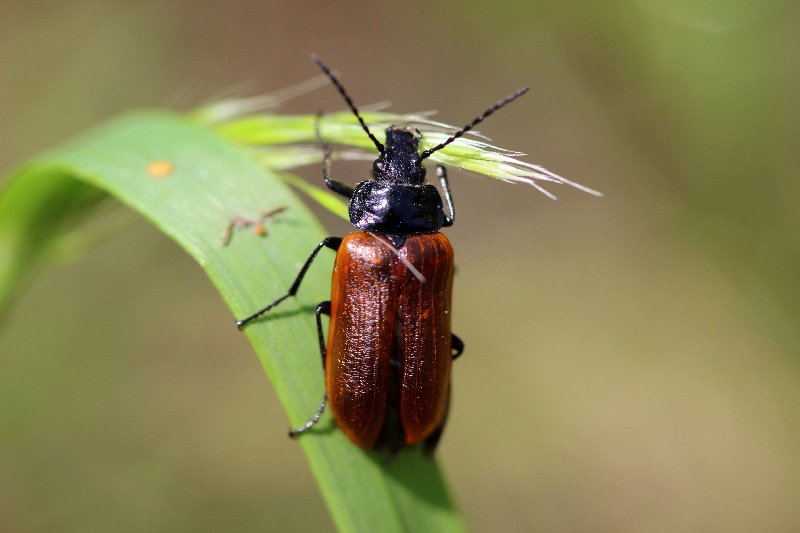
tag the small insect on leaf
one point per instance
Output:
(258, 224)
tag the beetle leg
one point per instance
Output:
(457, 346)
(442, 173)
(294, 433)
(330, 242)
(336, 186)
(323, 308)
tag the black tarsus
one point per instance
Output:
(329, 242)
(347, 99)
(293, 433)
(480, 118)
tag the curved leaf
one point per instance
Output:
(189, 182)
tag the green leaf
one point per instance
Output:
(189, 182)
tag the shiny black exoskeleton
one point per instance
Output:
(399, 202)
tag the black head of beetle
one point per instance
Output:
(400, 162)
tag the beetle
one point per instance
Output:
(390, 349)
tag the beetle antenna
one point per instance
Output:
(347, 99)
(480, 118)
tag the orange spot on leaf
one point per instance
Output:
(160, 169)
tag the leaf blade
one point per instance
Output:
(208, 180)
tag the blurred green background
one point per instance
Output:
(632, 362)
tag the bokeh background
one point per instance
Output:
(632, 362)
